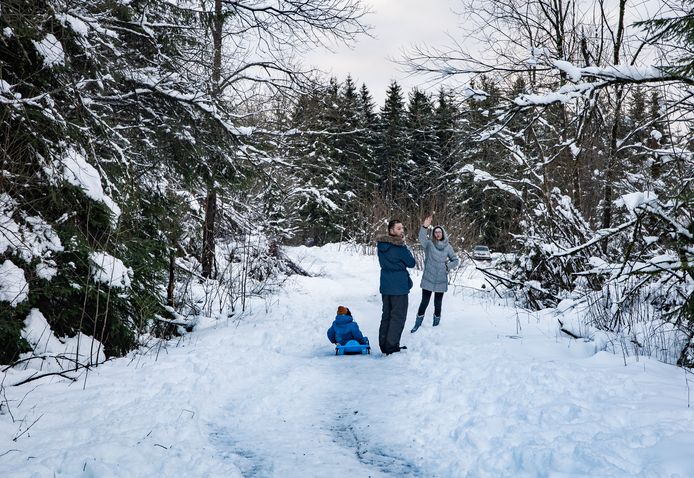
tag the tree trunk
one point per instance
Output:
(218, 24)
(211, 199)
(208, 234)
(172, 279)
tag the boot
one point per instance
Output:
(417, 323)
(437, 319)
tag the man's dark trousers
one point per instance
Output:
(392, 322)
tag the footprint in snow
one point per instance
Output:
(349, 433)
(249, 463)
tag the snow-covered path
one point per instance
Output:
(489, 393)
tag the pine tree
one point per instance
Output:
(366, 105)
(488, 211)
(354, 144)
(678, 31)
(447, 131)
(422, 169)
(368, 122)
(316, 173)
(392, 151)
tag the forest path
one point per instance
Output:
(491, 392)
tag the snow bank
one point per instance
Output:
(13, 285)
(78, 172)
(110, 270)
(53, 354)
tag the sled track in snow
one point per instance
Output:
(350, 434)
(249, 463)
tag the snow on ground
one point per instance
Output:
(492, 392)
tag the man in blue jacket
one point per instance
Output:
(394, 258)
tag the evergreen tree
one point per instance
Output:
(316, 172)
(423, 168)
(488, 211)
(392, 151)
(354, 144)
(115, 118)
(367, 108)
(447, 131)
(368, 137)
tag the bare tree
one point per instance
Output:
(255, 43)
(571, 145)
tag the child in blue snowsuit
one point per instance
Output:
(344, 328)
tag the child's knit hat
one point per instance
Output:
(342, 310)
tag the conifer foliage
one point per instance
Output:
(139, 136)
(121, 136)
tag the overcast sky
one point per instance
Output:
(397, 24)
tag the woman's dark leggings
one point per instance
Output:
(426, 296)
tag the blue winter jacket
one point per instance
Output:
(344, 328)
(395, 258)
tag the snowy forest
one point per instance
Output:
(159, 157)
(139, 135)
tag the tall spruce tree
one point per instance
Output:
(392, 151)
(488, 211)
(447, 128)
(316, 172)
(423, 168)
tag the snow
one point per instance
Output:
(573, 73)
(625, 72)
(565, 94)
(493, 391)
(53, 354)
(51, 50)
(13, 285)
(633, 200)
(31, 238)
(109, 270)
(483, 176)
(78, 172)
(77, 25)
(46, 271)
(9, 229)
(5, 87)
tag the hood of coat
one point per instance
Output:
(386, 242)
(343, 319)
(443, 242)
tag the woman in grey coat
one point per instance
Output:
(439, 258)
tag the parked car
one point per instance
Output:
(481, 253)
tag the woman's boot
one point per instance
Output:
(437, 319)
(417, 323)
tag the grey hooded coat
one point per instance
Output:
(439, 258)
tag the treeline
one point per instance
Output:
(566, 153)
(351, 164)
(139, 136)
